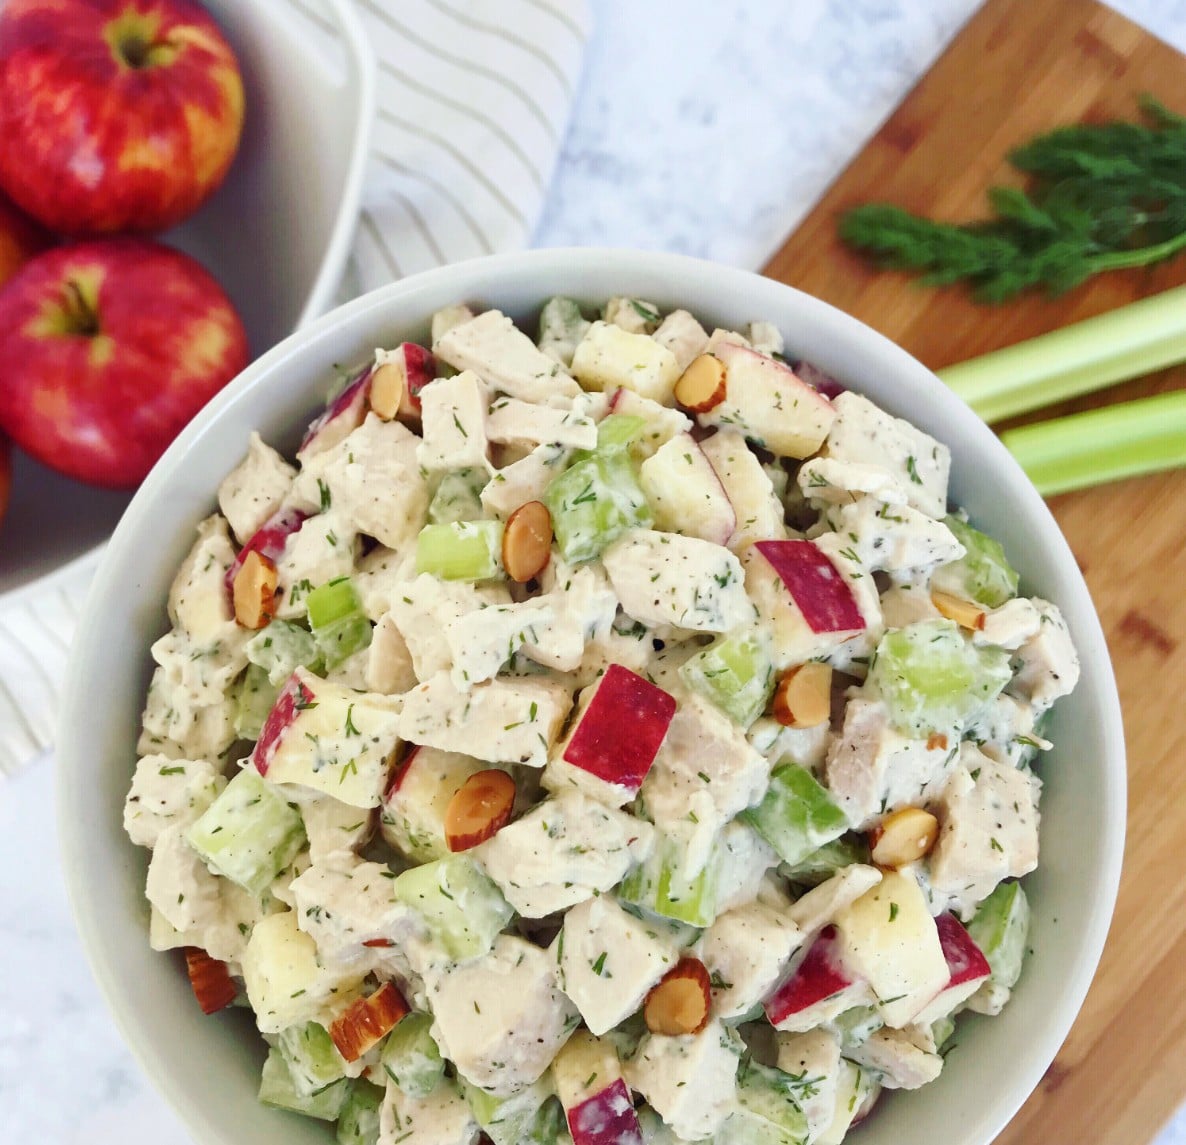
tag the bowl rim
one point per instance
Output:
(487, 272)
(360, 58)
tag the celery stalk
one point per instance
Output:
(1124, 343)
(1125, 440)
(460, 550)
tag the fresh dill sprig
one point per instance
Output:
(1100, 197)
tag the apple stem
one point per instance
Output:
(83, 319)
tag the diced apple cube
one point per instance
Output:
(854, 1086)
(596, 1100)
(608, 357)
(501, 1018)
(286, 983)
(889, 938)
(966, 965)
(758, 511)
(769, 404)
(819, 592)
(255, 488)
(818, 987)
(683, 336)
(814, 910)
(660, 423)
(268, 541)
(685, 493)
(812, 1061)
(329, 738)
(342, 415)
(411, 368)
(609, 960)
(897, 1059)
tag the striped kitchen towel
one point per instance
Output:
(473, 101)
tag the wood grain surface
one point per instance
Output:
(1018, 68)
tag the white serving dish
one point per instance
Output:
(276, 235)
(999, 1061)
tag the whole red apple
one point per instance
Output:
(107, 349)
(115, 115)
(20, 239)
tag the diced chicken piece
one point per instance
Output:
(867, 435)
(765, 337)
(255, 488)
(445, 319)
(819, 906)
(1049, 663)
(897, 1060)
(371, 480)
(609, 357)
(829, 481)
(742, 858)
(722, 337)
(333, 827)
(493, 347)
(662, 578)
(756, 506)
(746, 951)
(609, 960)
(389, 667)
(768, 403)
(685, 493)
(502, 1017)
(662, 423)
(503, 721)
(511, 421)
(442, 1117)
(690, 1081)
(348, 908)
(683, 336)
(321, 550)
(175, 727)
(895, 538)
(179, 884)
(1011, 625)
(203, 670)
(424, 609)
(872, 768)
(565, 850)
(813, 1057)
(199, 603)
(380, 576)
(988, 814)
(524, 480)
(453, 417)
(705, 773)
(632, 314)
(583, 609)
(224, 934)
(168, 792)
(286, 984)
(628, 646)
(808, 747)
(481, 642)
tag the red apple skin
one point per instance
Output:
(20, 239)
(92, 142)
(818, 975)
(107, 349)
(294, 697)
(821, 593)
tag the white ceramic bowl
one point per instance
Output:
(276, 236)
(998, 1062)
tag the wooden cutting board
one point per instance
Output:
(1020, 67)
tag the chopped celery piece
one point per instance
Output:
(982, 573)
(533, 1116)
(619, 429)
(281, 648)
(411, 1057)
(1000, 928)
(769, 1109)
(656, 1131)
(942, 1030)
(256, 696)
(340, 626)
(933, 679)
(460, 550)
(276, 1088)
(627, 1036)
(735, 673)
(561, 320)
(797, 815)
(312, 1058)
(856, 1026)
(463, 909)
(594, 502)
(457, 497)
(660, 887)
(249, 834)
(825, 861)
(358, 1123)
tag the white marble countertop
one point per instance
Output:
(707, 129)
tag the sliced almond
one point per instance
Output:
(903, 837)
(702, 385)
(254, 590)
(803, 697)
(680, 1002)
(936, 741)
(389, 387)
(368, 1021)
(480, 807)
(966, 613)
(527, 541)
(210, 979)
